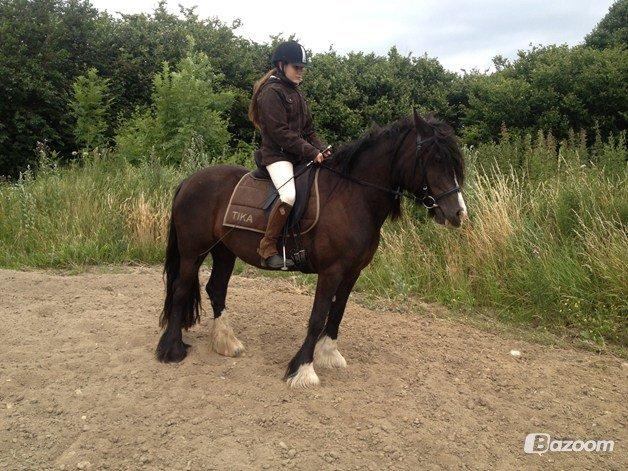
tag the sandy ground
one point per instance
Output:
(80, 388)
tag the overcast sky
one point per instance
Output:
(461, 34)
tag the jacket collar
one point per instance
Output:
(280, 76)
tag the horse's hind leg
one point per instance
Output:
(180, 311)
(223, 340)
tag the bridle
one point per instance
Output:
(425, 198)
(428, 200)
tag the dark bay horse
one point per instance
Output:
(359, 189)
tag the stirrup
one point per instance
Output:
(276, 262)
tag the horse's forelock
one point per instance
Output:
(448, 146)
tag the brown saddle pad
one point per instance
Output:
(246, 205)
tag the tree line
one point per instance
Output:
(160, 84)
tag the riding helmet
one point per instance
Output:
(290, 52)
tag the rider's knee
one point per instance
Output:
(288, 196)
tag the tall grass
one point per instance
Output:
(546, 243)
(104, 211)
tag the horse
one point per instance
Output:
(360, 187)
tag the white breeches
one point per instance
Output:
(282, 173)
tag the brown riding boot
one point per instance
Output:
(268, 245)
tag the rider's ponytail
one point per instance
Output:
(253, 113)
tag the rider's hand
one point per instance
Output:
(327, 153)
(319, 158)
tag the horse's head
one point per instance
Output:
(439, 171)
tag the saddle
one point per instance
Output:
(254, 195)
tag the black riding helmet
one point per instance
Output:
(290, 52)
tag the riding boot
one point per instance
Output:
(268, 245)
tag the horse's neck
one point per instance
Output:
(376, 166)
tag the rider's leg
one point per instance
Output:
(281, 173)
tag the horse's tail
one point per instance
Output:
(191, 312)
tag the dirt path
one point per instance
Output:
(80, 389)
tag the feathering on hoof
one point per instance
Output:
(305, 377)
(224, 342)
(326, 354)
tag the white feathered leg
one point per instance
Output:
(326, 354)
(224, 342)
(305, 377)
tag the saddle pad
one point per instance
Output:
(246, 206)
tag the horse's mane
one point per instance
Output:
(445, 146)
(345, 157)
(445, 143)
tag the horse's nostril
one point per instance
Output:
(462, 214)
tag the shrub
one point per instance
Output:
(187, 111)
(90, 108)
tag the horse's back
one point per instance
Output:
(211, 182)
(203, 195)
(216, 174)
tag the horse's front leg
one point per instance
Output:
(326, 354)
(300, 371)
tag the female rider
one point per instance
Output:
(282, 115)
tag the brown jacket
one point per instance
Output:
(286, 124)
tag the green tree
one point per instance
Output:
(187, 109)
(552, 88)
(188, 105)
(496, 100)
(90, 107)
(44, 45)
(141, 43)
(612, 30)
(349, 93)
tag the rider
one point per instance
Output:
(282, 115)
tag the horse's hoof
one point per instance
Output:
(174, 353)
(326, 354)
(233, 348)
(224, 342)
(304, 377)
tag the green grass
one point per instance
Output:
(546, 245)
(105, 211)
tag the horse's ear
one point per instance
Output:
(422, 126)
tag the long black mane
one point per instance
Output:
(346, 156)
(445, 145)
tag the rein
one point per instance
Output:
(426, 199)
